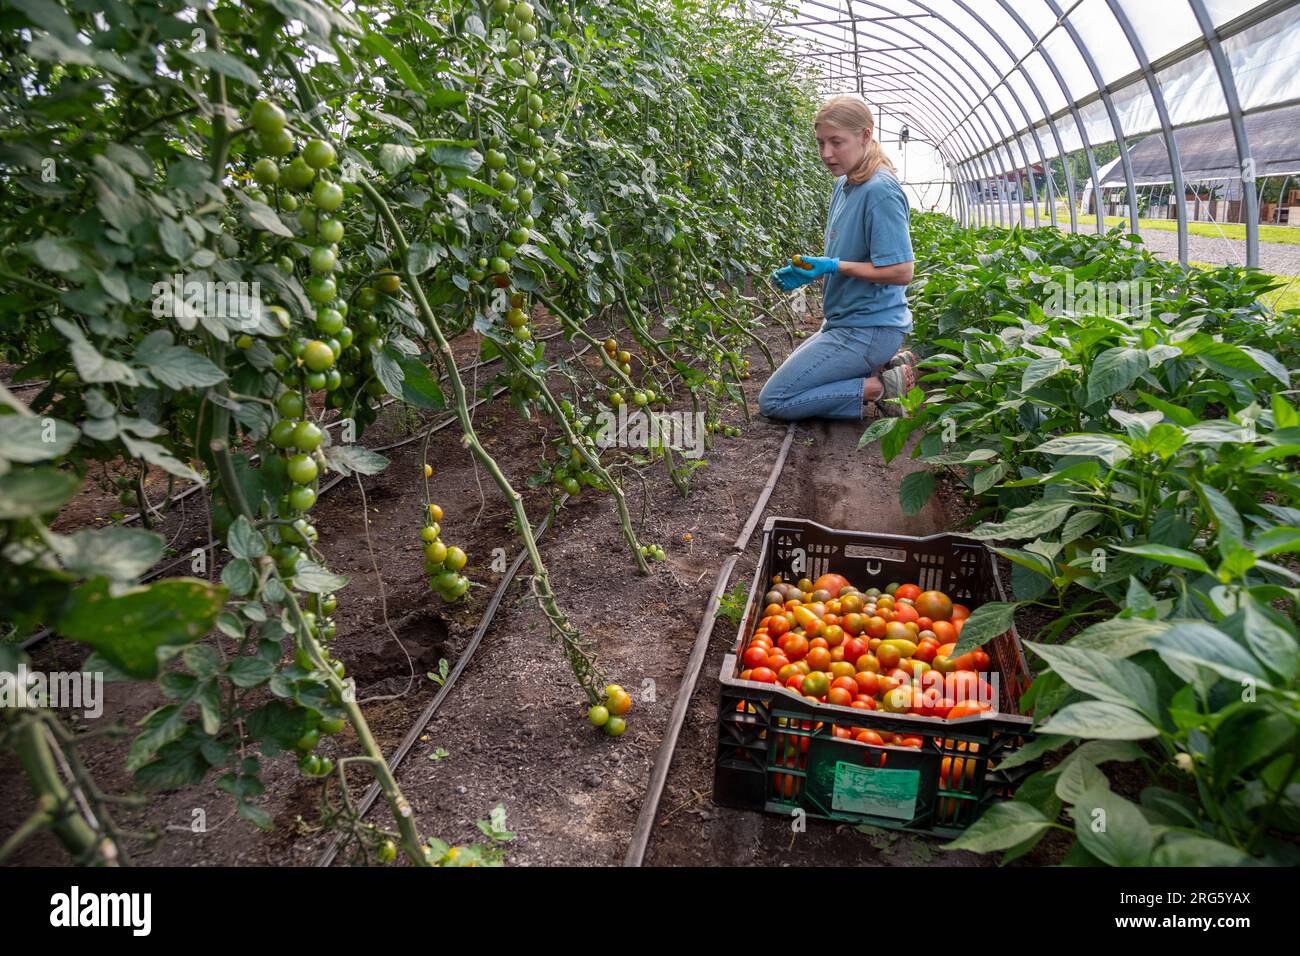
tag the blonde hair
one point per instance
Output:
(853, 115)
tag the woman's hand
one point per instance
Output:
(817, 266)
(791, 278)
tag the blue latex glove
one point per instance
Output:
(821, 266)
(791, 278)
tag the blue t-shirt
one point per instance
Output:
(867, 222)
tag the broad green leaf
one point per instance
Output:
(877, 430)
(30, 492)
(1002, 826)
(1271, 640)
(380, 44)
(1113, 371)
(245, 541)
(1031, 521)
(122, 554)
(1119, 637)
(1101, 676)
(1184, 849)
(311, 577)
(129, 628)
(1167, 555)
(1110, 449)
(989, 620)
(419, 387)
(1187, 645)
(346, 459)
(1099, 719)
(29, 438)
(1112, 829)
(1076, 778)
(915, 491)
(1040, 370)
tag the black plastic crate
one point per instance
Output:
(777, 750)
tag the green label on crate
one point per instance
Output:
(881, 793)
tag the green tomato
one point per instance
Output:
(526, 195)
(308, 741)
(331, 725)
(321, 289)
(322, 259)
(266, 117)
(499, 266)
(430, 533)
(387, 852)
(571, 485)
(298, 175)
(518, 236)
(315, 381)
(302, 497)
(366, 299)
(333, 379)
(318, 154)
(506, 249)
(307, 219)
(307, 437)
(282, 432)
(289, 202)
(456, 559)
(290, 405)
(344, 337)
(494, 159)
(506, 180)
(615, 726)
(277, 144)
(329, 321)
(266, 172)
(327, 196)
(302, 469)
(331, 230)
(280, 362)
(598, 715)
(526, 33)
(509, 204)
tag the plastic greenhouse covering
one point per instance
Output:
(999, 91)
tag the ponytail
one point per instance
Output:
(853, 115)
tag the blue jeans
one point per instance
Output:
(825, 376)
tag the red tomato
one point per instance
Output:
(819, 659)
(764, 675)
(925, 651)
(960, 612)
(909, 591)
(778, 625)
(905, 613)
(839, 696)
(795, 646)
(853, 649)
(924, 623)
(868, 683)
(834, 635)
(875, 626)
(869, 737)
(967, 710)
(745, 674)
(777, 660)
(795, 682)
(909, 742)
(755, 657)
(848, 683)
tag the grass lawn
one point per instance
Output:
(1284, 235)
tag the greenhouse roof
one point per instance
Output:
(998, 86)
(1208, 151)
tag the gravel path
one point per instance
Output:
(1274, 257)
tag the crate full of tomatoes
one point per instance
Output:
(844, 698)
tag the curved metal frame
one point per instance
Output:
(1233, 102)
(1166, 128)
(979, 164)
(1019, 104)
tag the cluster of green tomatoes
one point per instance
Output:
(443, 563)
